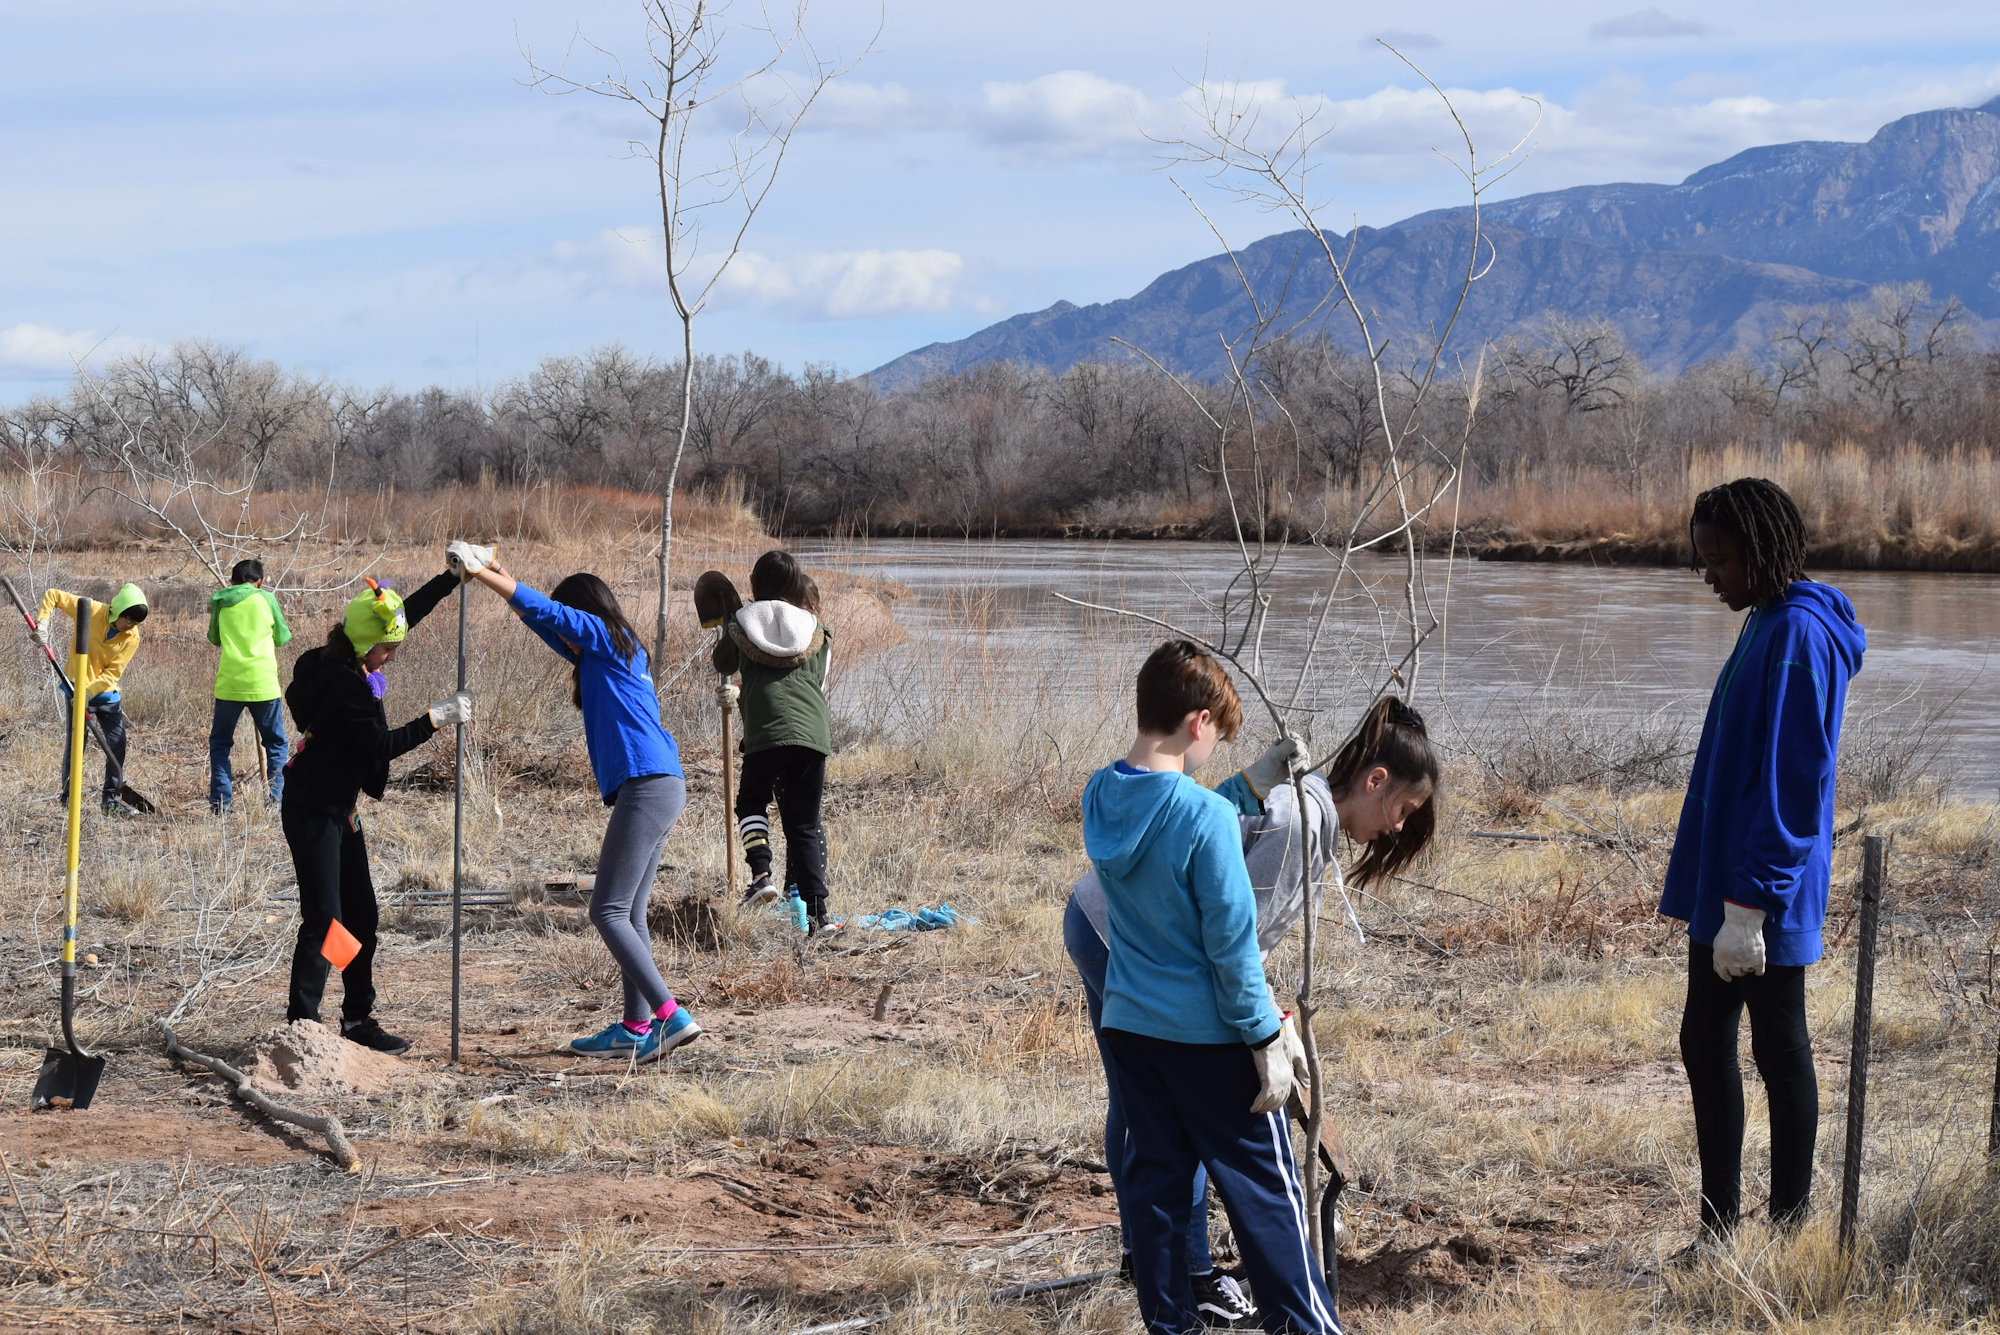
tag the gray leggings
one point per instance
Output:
(642, 812)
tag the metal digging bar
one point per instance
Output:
(458, 835)
(69, 1075)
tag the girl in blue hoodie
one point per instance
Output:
(638, 772)
(1752, 858)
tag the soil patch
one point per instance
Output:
(305, 1057)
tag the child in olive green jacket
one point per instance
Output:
(777, 642)
(245, 623)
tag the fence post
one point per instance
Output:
(1872, 874)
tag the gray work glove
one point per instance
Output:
(1280, 761)
(452, 709)
(726, 695)
(466, 559)
(41, 634)
(1274, 1074)
(1739, 946)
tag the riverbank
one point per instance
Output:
(1904, 511)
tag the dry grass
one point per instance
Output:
(1910, 510)
(1504, 1043)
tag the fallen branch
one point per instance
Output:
(328, 1126)
(1013, 1293)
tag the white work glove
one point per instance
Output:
(1739, 946)
(452, 709)
(726, 695)
(465, 559)
(41, 635)
(1280, 761)
(1295, 1050)
(1274, 1074)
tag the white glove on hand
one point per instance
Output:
(1274, 1074)
(1280, 761)
(452, 709)
(1295, 1050)
(1739, 946)
(41, 635)
(726, 694)
(465, 559)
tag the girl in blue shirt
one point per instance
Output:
(638, 772)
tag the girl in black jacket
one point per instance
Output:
(345, 748)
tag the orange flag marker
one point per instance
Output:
(340, 947)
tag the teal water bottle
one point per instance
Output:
(798, 909)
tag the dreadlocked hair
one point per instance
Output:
(1391, 735)
(1769, 531)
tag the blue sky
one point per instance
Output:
(368, 191)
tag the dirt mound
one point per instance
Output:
(307, 1058)
(1433, 1271)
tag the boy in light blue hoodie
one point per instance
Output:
(1752, 860)
(1201, 1062)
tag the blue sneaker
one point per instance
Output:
(614, 1040)
(668, 1034)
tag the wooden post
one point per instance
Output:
(1873, 857)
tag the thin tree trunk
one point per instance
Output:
(667, 492)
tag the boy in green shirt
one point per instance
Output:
(245, 623)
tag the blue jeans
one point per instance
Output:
(1090, 955)
(269, 718)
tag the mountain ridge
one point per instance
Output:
(1690, 271)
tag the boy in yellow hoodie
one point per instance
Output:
(114, 639)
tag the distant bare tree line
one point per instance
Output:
(1105, 446)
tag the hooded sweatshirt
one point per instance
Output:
(621, 714)
(347, 742)
(1273, 853)
(245, 623)
(784, 655)
(1184, 963)
(109, 654)
(1757, 826)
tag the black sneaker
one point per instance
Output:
(761, 892)
(1125, 1268)
(370, 1034)
(1221, 1302)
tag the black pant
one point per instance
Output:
(795, 775)
(331, 860)
(1776, 1000)
(111, 718)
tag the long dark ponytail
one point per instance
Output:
(587, 593)
(339, 650)
(1391, 735)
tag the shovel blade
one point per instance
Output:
(135, 799)
(68, 1080)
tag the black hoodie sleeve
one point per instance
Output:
(419, 604)
(348, 711)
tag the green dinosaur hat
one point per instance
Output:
(375, 617)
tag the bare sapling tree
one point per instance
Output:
(190, 438)
(1404, 498)
(754, 83)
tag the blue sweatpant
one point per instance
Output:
(1090, 955)
(1188, 1104)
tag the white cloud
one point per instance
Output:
(828, 285)
(39, 352)
(848, 285)
(1072, 111)
(1647, 23)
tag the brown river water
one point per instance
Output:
(1620, 647)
